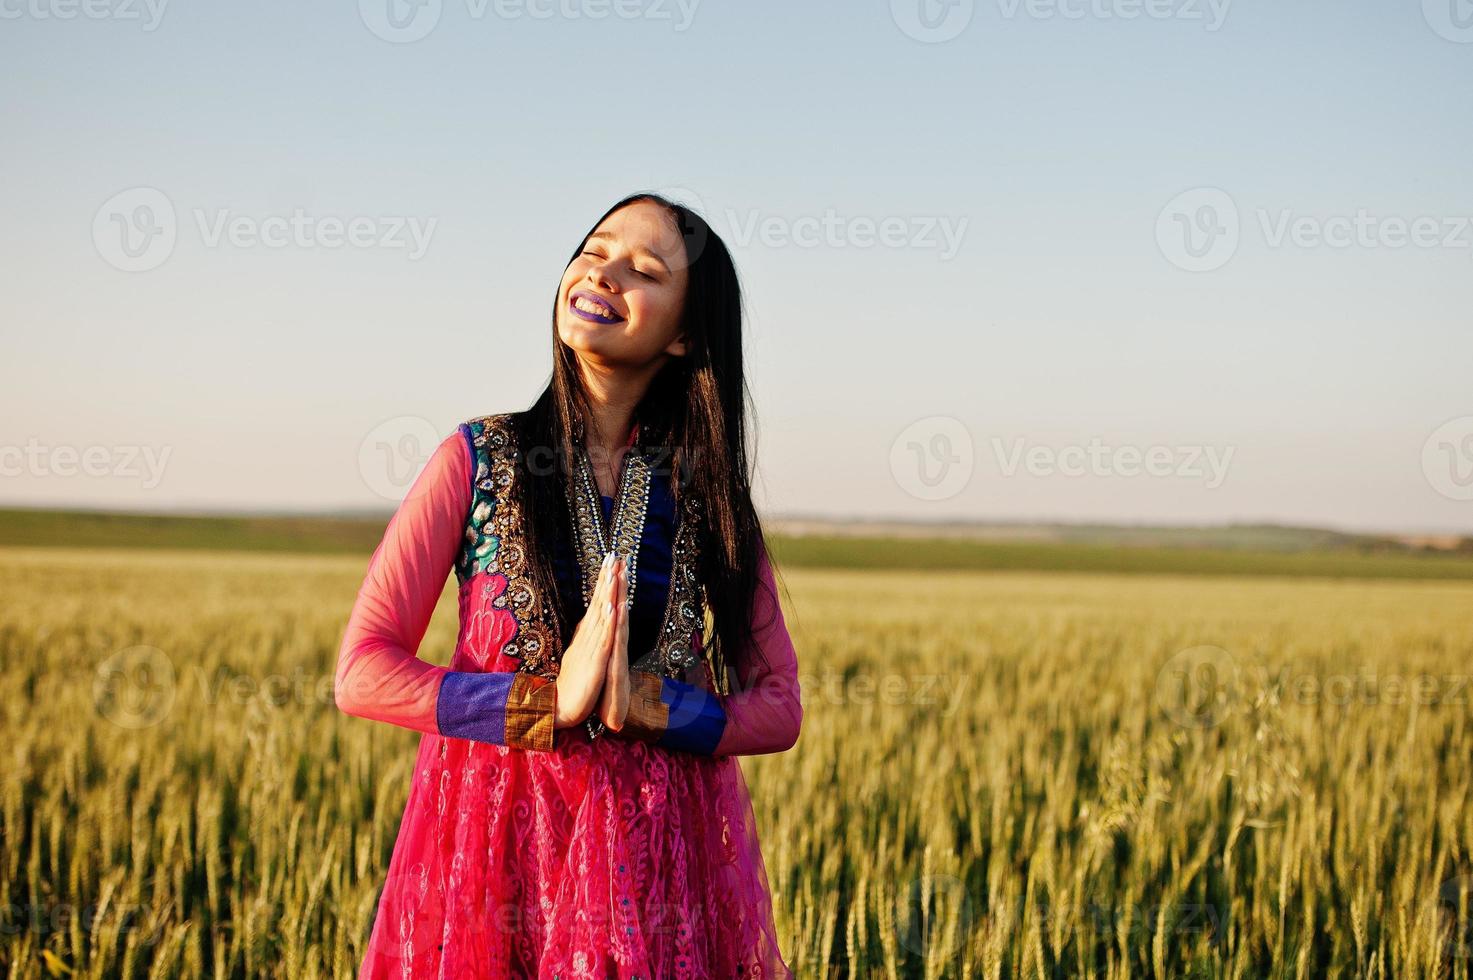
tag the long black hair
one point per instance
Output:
(693, 418)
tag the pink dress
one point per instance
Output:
(525, 851)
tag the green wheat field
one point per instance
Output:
(1141, 771)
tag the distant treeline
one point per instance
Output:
(1336, 556)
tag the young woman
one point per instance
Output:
(577, 809)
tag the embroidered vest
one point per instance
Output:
(496, 542)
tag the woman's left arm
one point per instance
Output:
(764, 716)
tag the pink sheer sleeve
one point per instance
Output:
(765, 713)
(379, 676)
(762, 714)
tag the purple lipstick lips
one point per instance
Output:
(605, 314)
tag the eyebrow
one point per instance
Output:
(606, 236)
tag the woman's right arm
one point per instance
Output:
(378, 674)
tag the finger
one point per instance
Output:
(616, 612)
(619, 652)
(611, 675)
(620, 595)
(623, 625)
(598, 602)
(618, 685)
(606, 590)
(619, 649)
(608, 696)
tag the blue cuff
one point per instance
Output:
(696, 718)
(474, 705)
(501, 707)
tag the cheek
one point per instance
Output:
(655, 310)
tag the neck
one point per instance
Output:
(613, 394)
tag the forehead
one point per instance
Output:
(644, 226)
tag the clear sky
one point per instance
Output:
(1129, 260)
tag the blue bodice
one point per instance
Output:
(652, 573)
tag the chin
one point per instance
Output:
(583, 342)
(576, 335)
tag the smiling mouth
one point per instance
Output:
(586, 307)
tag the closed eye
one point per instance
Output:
(599, 255)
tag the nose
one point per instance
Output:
(599, 277)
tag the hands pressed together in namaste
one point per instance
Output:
(594, 676)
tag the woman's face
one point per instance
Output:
(620, 299)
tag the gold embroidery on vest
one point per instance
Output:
(631, 507)
(495, 542)
(673, 654)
